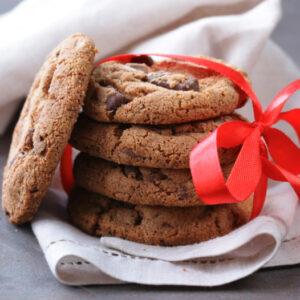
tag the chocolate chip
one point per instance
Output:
(138, 220)
(132, 172)
(156, 175)
(166, 225)
(102, 82)
(217, 222)
(183, 196)
(155, 78)
(129, 152)
(190, 84)
(138, 67)
(114, 101)
(91, 92)
(34, 190)
(143, 59)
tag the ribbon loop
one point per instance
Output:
(272, 113)
(292, 117)
(246, 173)
(260, 125)
(284, 152)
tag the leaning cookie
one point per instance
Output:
(168, 92)
(166, 146)
(138, 185)
(165, 226)
(45, 125)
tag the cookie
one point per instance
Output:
(45, 125)
(138, 185)
(167, 92)
(165, 226)
(167, 146)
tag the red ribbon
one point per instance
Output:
(252, 168)
(66, 169)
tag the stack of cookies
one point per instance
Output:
(140, 122)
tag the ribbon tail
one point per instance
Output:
(272, 113)
(284, 152)
(259, 196)
(261, 188)
(66, 169)
(278, 173)
(292, 117)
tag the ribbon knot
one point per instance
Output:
(260, 125)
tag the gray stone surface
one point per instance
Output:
(24, 273)
(286, 34)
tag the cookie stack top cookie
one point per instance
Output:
(167, 92)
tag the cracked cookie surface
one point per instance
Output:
(138, 185)
(168, 92)
(165, 226)
(45, 125)
(167, 146)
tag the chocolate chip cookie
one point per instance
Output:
(138, 185)
(165, 226)
(167, 146)
(168, 92)
(45, 125)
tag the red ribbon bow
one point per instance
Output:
(252, 168)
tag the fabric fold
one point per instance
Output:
(234, 30)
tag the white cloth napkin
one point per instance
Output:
(76, 258)
(235, 30)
